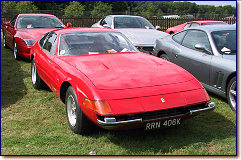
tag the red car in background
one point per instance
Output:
(24, 30)
(104, 80)
(186, 25)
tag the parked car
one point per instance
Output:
(190, 24)
(103, 80)
(23, 30)
(209, 53)
(137, 29)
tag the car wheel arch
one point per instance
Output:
(229, 79)
(161, 53)
(63, 89)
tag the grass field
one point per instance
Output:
(34, 123)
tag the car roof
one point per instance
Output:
(36, 14)
(211, 28)
(123, 16)
(83, 29)
(205, 21)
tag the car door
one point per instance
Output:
(46, 60)
(195, 61)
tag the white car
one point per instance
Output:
(137, 29)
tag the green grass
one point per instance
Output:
(34, 123)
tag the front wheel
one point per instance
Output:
(78, 122)
(164, 56)
(15, 51)
(37, 82)
(231, 93)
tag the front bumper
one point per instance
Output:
(141, 118)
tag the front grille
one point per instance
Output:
(161, 113)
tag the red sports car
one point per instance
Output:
(104, 80)
(24, 30)
(186, 25)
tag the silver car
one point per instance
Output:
(209, 53)
(137, 29)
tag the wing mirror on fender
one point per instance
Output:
(9, 24)
(68, 25)
(201, 46)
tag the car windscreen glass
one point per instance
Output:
(214, 23)
(132, 22)
(39, 22)
(225, 41)
(80, 43)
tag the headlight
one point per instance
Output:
(29, 42)
(99, 106)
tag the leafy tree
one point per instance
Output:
(101, 9)
(148, 9)
(74, 9)
(26, 6)
(7, 5)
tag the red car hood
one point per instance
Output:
(127, 70)
(34, 33)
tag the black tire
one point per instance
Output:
(37, 82)
(231, 93)
(164, 56)
(15, 51)
(78, 122)
(4, 42)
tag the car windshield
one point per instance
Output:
(213, 23)
(225, 41)
(79, 43)
(39, 22)
(132, 22)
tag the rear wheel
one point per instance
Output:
(164, 56)
(4, 42)
(15, 51)
(231, 93)
(78, 122)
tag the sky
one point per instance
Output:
(216, 3)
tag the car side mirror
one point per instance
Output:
(9, 24)
(157, 27)
(68, 25)
(106, 26)
(201, 46)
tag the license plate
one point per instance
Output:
(163, 123)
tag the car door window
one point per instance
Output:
(179, 36)
(107, 20)
(42, 40)
(187, 25)
(49, 43)
(12, 21)
(194, 25)
(194, 37)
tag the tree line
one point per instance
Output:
(147, 9)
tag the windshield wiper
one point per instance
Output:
(59, 27)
